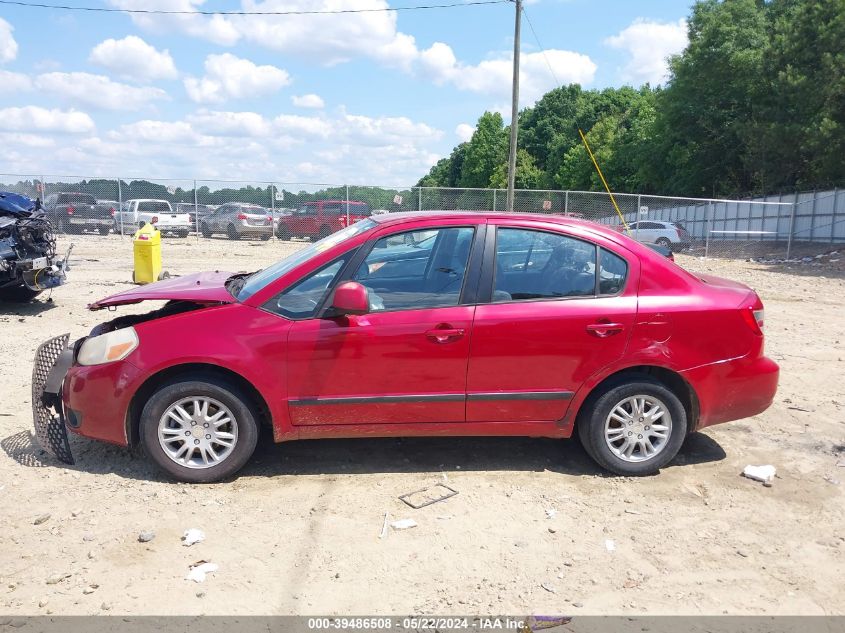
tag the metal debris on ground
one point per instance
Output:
(766, 473)
(418, 499)
(192, 536)
(403, 524)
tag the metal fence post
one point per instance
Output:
(347, 205)
(833, 215)
(708, 227)
(637, 217)
(791, 226)
(196, 213)
(120, 205)
(419, 198)
(566, 202)
(494, 199)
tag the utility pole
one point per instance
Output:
(514, 106)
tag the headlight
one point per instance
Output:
(108, 347)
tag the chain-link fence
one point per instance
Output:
(779, 227)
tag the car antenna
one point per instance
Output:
(604, 182)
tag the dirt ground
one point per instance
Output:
(536, 527)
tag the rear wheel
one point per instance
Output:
(664, 241)
(104, 230)
(266, 237)
(206, 232)
(232, 232)
(634, 428)
(283, 233)
(199, 429)
(325, 231)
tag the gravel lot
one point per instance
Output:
(536, 527)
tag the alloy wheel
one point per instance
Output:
(198, 432)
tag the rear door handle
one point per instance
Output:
(444, 334)
(603, 330)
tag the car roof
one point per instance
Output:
(407, 216)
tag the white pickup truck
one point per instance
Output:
(159, 213)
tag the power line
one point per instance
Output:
(35, 5)
(537, 39)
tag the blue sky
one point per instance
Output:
(368, 98)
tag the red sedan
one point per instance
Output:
(416, 324)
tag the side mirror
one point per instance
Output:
(350, 297)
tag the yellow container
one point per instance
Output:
(146, 245)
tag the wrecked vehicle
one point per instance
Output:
(28, 262)
(575, 329)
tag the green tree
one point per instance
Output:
(487, 149)
(528, 175)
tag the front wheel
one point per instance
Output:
(199, 429)
(283, 233)
(232, 232)
(104, 230)
(635, 428)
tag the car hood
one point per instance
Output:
(199, 287)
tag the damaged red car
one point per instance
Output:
(421, 324)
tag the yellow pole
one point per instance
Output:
(604, 182)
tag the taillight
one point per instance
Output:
(70, 210)
(242, 216)
(343, 221)
(111, 210)
(754, 316)
(154, 219)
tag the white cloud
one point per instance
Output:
(98, 91)
(308, 101)
(493, 76)
(649, 45)
(248, 146)
(132, 58)
(229, 77)
(14, 82)
(36, 119)
(217, 28)
(464, 132)
(8, 45)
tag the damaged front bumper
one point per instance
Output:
(52, 361)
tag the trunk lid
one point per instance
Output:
(206, 288)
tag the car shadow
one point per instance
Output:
(28, 308)
(363, 456)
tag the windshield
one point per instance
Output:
(257, 281)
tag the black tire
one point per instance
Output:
(104, 230)
(283, 233)
(325, 231)
(197, 386)
(597, 409)
(206, 232)
(232, 232)
(18, 294)
(664, 242)
(265, 237)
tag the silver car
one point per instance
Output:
(237, 220)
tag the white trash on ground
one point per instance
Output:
(192, 536)
(766, 473)
(403, 524)
(610, 545)
(199, 570)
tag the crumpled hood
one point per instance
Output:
(199, 287)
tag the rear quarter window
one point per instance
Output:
(613, 272)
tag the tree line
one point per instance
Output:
(755, 104)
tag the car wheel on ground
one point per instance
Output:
(104, 230)
(634, 428)
(664, 241)
(325, 231)
(265, 237)
(232, 232)
(199, 429)
(283, 233)
(205, 231)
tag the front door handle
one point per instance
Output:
(603, 330)
(444, 333)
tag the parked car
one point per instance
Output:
(159, 213)
(669, 234)
(74, 212)
(574, 328)
(278, 213)
(238, 219)
(195, 212)
(663, 250)
(28, 261)
(317, 219)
